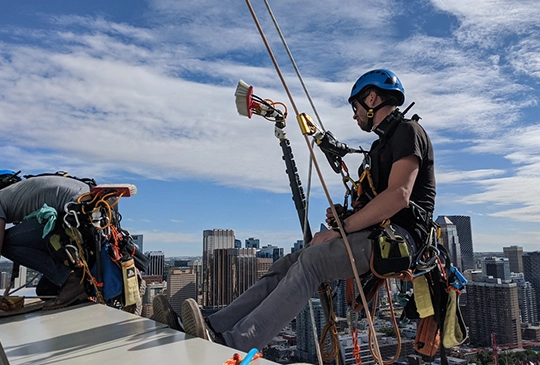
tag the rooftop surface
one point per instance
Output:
(97, 334)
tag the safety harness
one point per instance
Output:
(91, 238)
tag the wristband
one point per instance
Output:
(336, 228)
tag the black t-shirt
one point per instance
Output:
(408, 138)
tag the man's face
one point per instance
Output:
(360, 115)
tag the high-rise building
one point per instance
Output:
(4, 279)
(298, 245)
(450, 239)
(138, 240)
(253, 243)
(496, 267)
(196, 267)
(531, 271)
(234, 271)
(237, 243)
(493, 307)
(305, 340)
(213, 240)
(181, 284)
(157, 263)
(527, 299)
(21, 279)
(270, 251)
(152, 289)
(515, 256)
(340, 299)
(263, 265)
(464, 231)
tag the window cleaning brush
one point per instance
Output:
(125, 190)
(248, 104)
(244, 99)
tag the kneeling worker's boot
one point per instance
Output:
(72, 291)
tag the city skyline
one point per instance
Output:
(143, 93)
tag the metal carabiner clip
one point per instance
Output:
(70, 212)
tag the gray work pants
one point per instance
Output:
(254, 318)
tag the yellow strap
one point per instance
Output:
(422, 297)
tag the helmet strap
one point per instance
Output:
(371, 112)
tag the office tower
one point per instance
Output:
(234, 271)
(464, 231)
(21, 279)
(515, 256)
(4, 279)
(181, 263)
(340, 299)
(138, 240)
(253, 243)
(298, 245)
(449, 239)
(152, 289)
(263, 265)
(496, 267)
(305, 342)
(246, 269)
(157, 263)
(531, 271)
(269, 251)
(181, 284)
(212, 240)
(196, 268)
(493, 307)
(527, 299)
(237, 243)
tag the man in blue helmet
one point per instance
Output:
(25, 242)
(402, 171)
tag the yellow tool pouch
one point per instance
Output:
(390, 252)
(455, 331)
(131, 283)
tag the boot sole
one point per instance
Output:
(193, 320)
(81, 296)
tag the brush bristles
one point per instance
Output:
(125, 189)
(242, 94)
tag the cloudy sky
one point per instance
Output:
(142, 92)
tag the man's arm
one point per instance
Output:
(2, 231)
(387, 203)
(390, 201)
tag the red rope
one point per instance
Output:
(356, 346)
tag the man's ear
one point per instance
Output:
(371, 99)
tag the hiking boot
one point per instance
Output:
(195, 325)
(193, 320)
(164, 313)
(72, 291)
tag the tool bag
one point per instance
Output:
(435, 302)
(390, 252)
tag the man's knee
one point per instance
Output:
(281, 266)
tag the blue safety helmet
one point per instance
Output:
(383, 79)
(8, 177)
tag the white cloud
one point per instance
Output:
(158, 99)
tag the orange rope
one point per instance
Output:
(356, 347)
(236, 359)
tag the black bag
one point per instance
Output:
(390, 252)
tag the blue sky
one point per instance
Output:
(142, 92)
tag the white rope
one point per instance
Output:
(314, 327)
